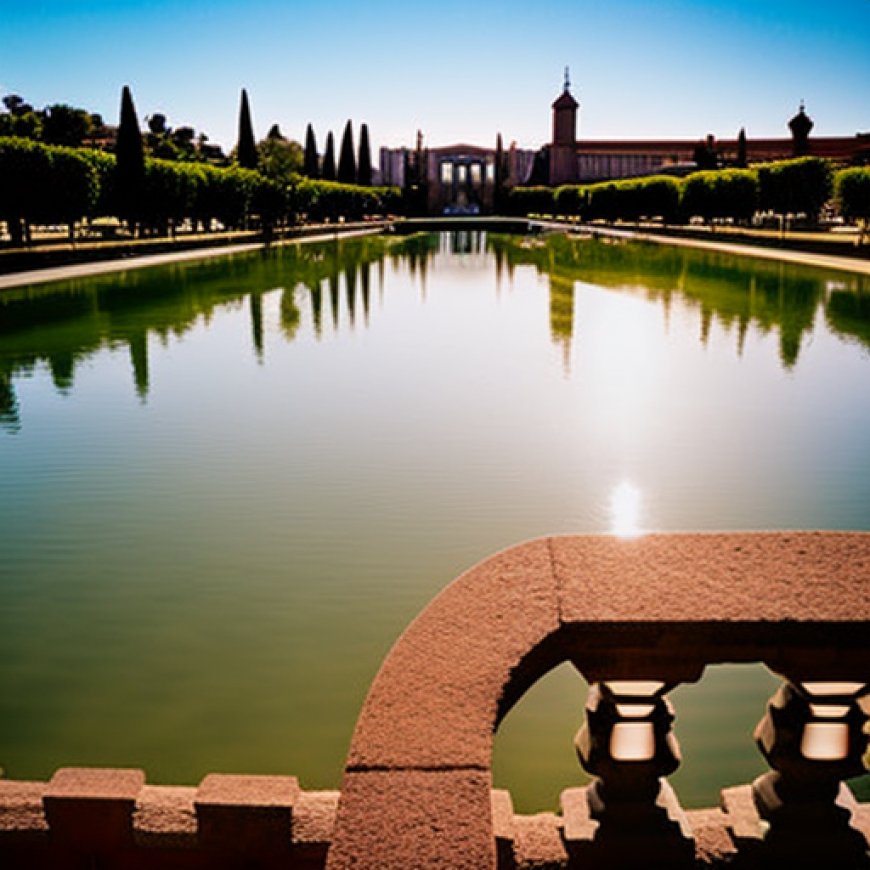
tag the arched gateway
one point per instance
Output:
(636, 617)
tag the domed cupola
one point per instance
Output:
(801, 125)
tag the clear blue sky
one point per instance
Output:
(460, 71)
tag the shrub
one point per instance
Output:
(524, 201)
(24, 185)
(800, 186)
(330, 200)
(852, 193)
(570, 199)
(726, 193)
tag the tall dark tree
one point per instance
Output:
(246, 150)
(129, 160)
(364, 167)
(327, 172)
(498, 192)
(346, 160)
(741, 147)
(310, 166)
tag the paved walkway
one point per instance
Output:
(122, 264)
(103, 267)
(806, 258)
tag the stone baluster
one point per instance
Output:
(813, 736)
(627, 744)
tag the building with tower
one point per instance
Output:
(468, 179)
(588, 160)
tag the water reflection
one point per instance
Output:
(625, 506)
(62, 325)
(734, 292)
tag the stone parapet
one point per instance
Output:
(113, 820)
(635, 617)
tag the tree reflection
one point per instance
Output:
(735, 293)
(60, 326)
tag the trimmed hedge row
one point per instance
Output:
(329, 200)
(788, 187)
(852, 192)
(42, 184)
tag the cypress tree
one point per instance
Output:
(346, 160)
(246, 150)
(364, 170)
(499, 179)
(310, 165)
(328, 171)
(130, 160)
(741, 147)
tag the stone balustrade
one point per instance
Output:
(636, 618)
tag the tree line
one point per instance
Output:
(265, 185)
(802, 186)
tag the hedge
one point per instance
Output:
(47, 185)
(800, 186)
(852, 193)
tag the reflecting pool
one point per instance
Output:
(227, 486)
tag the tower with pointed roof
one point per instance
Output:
(563, 149)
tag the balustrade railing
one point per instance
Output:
(636, 618)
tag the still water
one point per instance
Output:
(226, 487)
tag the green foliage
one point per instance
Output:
(65, 125)
(269, 201)
(170, 192)
(330, 200)
(346, 160)
(726, 193)
(530, 200)
(104, 167)
(800, 186)
(650, 197)
(601, 202)
(659, 196)
(45, 184)
(246, 150)
(570, 199)
(279, 158)
(25, 126)
(24, 184)
(852, 193)
(74, 186)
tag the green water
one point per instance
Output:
(226, 487)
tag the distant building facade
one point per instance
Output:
(468, 179)
(456, 179)
(587, 160)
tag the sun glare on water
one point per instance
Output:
(625, 504)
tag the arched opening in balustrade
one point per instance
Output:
(533, 749)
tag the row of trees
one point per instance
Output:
(42, 184)
(790, 187)
(48, 184)
(57, 124)
(353, 167)
(275, 156)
